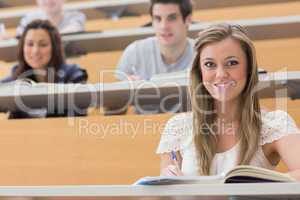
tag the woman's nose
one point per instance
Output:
(221, 72)
(35, 49)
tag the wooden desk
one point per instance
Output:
(288, 105)
(5, 69)
(82, 150)
(273, 55)
(206, 15)
(198, 4)
(278, 54)
(97, 62)
(16, 3)
(99, 8)
(260, 191)
(167, 91)
(267, 28)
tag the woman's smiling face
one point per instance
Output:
(37, 48)
(224, 69)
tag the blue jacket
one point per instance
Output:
(68, 73)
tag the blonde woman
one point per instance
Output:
(226, 126)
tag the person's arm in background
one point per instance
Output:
(125, 71)
(127, 66)
(74, 22)
(75, 74)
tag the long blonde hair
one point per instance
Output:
(204, 110)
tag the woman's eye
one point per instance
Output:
(232, 63)
(30, 44)
(209, 64)
(156, 19)
(43, 45)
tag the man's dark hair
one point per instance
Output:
(185, 6)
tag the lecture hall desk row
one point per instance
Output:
(87, 150)
(23, 3)
(61, 154)
(273, 55)
(207, 15)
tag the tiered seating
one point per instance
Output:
(16, 3)
(89, 159)
(273, 55)
(213, 14)
(290, 8)
(230, 13)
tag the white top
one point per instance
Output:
(178, 136)
(74, 18)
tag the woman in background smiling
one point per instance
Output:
(41, 59)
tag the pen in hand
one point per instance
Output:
(173, 156)
(175, 168)
(174, 159)
(172, 168)
(134, 74)
(133, 69)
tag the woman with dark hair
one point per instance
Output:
(226, 126)
(41, 59)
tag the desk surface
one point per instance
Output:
(101, 8)
(178, 192)
(262, 28)
(124, 93)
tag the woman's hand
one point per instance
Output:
(171, 164)
(171, 170)
(134, 78)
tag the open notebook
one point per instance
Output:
(239, 174)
